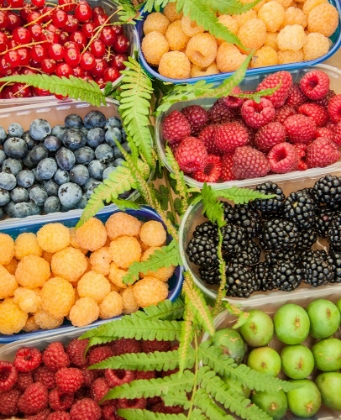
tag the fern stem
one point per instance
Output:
(170, 189)
(218, 306)
(196, 368)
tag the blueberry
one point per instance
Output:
(126, 147)
(95, 137)
(28, 140)
(73, 121)
(52, 205)
(4, 197)
(58, 131)
(118, 162)
(61, 177)
(11, 166)
(84, 155)
(27, 161)
(96, 169)
(2, 213)
(79, 174)
(38, 195)
(38, 153)
(3, 156)
(113, 122)
(94, 119)
(117, 153)
(73, 139)
(104, 152)
(15, 130)
(34, 208)
(124, 135)
(52, 143)
(15, 147)
(82, 202)
(25, 178)
(113, 135)
(91, 188)
(46, 168)
(89, 182)
(107, 171)
(65, 158)
(7, 181)
(3, 135)
(51, 187)
(39, 129)
(18, 210)
(19, 194)
(69, 195)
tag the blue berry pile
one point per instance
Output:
(50, 169)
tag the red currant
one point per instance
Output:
(72, 57)
(87, 61)
(88, 29)
(97, 48)
(12, 58)
(99, 68)
(36, 31)
(20, 90)
(79, 38)
(7, 92)
(59, 18)
(3, 42)
(24, 54)
(111, 74)
(83, 12)
(12, 44)
(71, 24)
(46, 12)
(25, 11)
(98, 10)
(48, 66)
(78, 71)
(118, 61)
(101, 82)
(27, 71)
(122, 44)
(64, 37)
(118, 29)
(14, 21)
(5, 68)
(67, 5)
(52, 28)
(21, 35)
(71, 44)
(38, 3)
(35, 64)
(15, 4)
(100, 20)
(4, 21)
(41, 92)
(108, 36)
(38, 53)
(50, 37)
(34, 17)
(56, 52)
(64, 69)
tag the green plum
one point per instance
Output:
(265, 359)
(327, 354)
(231, 343)
(297, 361)
(237, 387)
(275, 404)
(324, 318)
(329, 384)
(306, 400)
(258, 330)
(291, 323)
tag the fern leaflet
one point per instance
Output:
(167, 310)
(126, 12)
(186, 337)
(212, 207)
(232, 7)
(242, 195)
(204, 401)
(133, 414)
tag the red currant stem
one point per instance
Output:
(5, 84)
(21, 89)
(59, 6)
(32, 68)
(17, 47)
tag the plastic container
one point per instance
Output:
(70, 219)
(249, 83)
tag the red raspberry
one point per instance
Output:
(211, 172)
(160, 407)
(76, 350)
(226, 167)
(169, 372)
(283, 158)
(206, 135)
(59, 415)
(54, 356)
(233, 101)
(126, 345)
(175, 127)
(89, 376)
(149, 374)
(334, 108)
(59, 400)
(9, 402)
(197, 116)
(322, 152)
(315, 112)
(34, 399)
(327, 133)
(69, 379)
(257, 115)
(191, 155)
(337, 133)
(153, 400)
(116, 377)
(230, 135)
(219, 113)
(269, 135)
(85, 409)
(249, 163)
(137, 403)
(83, 392)
(284, 112)
(295, 96)
(8, 376)
(149, 346)
(109, 410)
(45, 376)
(42, 415)
(325, 100)
(300, 129)
(282, 78)
(97, 354)
(315, 84)
(27, 359)
(99, 388)
(24, 380)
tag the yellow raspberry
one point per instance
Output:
(288, 56)
(308, 5)
(111, 306)
(153, 233)
(150, 291)
(272, 14)
(258, 5)
(73, 241)
(163, 273)
(230, 23)
(286, 3)
(170, 12)
(291, 37)
(12, 266)
(316, 46)
(175, 65)
(125, 250)
(48, 256)
(84, 312)
(294, 15)
(323, 19)
(129, 301)
(116, 275)
(190, 27)
(100, 261)
(45, 321)
(122, 224)
(28, 300)
(115, 288)
(7, 248)
(53, 237)
(12, 318)
(92, 234)
(244, 17)
(32, 271)
(229, 58)
(25, 244)
(57, 297)
(204, 71)
(252, 33)
(31, 325)
(93, 285)
(70, 263)
(8, 283)
(154, 46)
(155, 21)
(271, 41)
(201, 49)
(265, 56)
(176, 37)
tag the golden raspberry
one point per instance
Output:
(229, 58)
(163, 273)
(150, 291)
(48, 256)
(288, 56)
(308, 5)
(125, 250)
(230, 23)
(31, 325)
(265, 56)
(291, 37)
(170, 12)
(316, 46)
(190, 27)
(100, 261)
(286, 3)
(111, 306)
(122, 224)
(258, 5)
(175, 65)
(271, 40)
(57, 297)
(244, 17)
(93, 285)
(294, 15)
(53, 237)
(70, 263)
(45, 321)
(32, 271)
(27, 299)
(129, 301)
(8, 283)
(202, 49)
(176, 37)
(205, 71)
(154, 46)
(116, 275)
(12, 318)
(73, 241)
(324, 19)
(252, 33)
(7, 248)
(26, 244)
(92, 234)
(12, 266)
(115, 288)
(155, 21)
(272, 14)
(153, 233)
(84, 312)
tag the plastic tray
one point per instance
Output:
(250, 83)
(335, 40)
(70, 219)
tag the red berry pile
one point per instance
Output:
(296, 128)
(69, 38)
(56, 384)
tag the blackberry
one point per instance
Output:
(234, 238)
(248, 218)
(240, 281)
(271, 206)
(274, 257)
(299, 208)
(210, 275)
(318, 267)
(323, 220)
(327, 191)
(279, 234)
(202, 251)
(306, 239)
(262, 276)
(286, 276)
(248, 256)
(208, 229)
(336, 257)
(334, 233)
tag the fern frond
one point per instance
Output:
(133, 414)
(197, 414)
(73, 87)
(204, 401)
(166, 310)
(157, 5)
(126, 12)
(212, 207)
(177, 398)
(125, 204)
(94, 341)
(242, 195)
(231, 7)
(218, 304)
(186, 337)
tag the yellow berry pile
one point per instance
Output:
(63, 272)
(280, 31)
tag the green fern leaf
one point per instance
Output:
(218, 305)
(157, 5)
(204, 401)
(197, 414)
(132, 414)
(231, 7)
(166, 310)
(126, 12)
(177, 398)
(73, 87)
(125, 204)
(186, 337)
(242, 195)
(212, 207)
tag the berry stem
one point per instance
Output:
(17, 47)
(58, 6)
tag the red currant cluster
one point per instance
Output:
(68, 38)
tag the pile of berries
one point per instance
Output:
(69, 38)
(296, 128)
(56, 384)
(61, 272)
(276, 243)
(50, 169)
